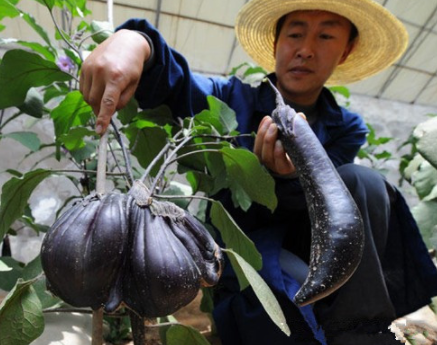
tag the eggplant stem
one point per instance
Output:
(101, 164)
(97, 327)
(142, 330)
(100, 189)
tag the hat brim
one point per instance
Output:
(382, 37)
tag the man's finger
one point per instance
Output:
(108, 107)
(283, 164)
(269, 146)
(262, 129)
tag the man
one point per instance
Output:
(307, 43)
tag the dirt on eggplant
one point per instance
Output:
(337, 233)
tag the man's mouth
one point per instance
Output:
(301, 70)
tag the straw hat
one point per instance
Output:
(382, 37)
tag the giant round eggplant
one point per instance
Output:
(337, 234)
(171, 256)
(84, 250)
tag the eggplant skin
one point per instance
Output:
(337, 232)
(204, 250)
(84, 250)
(161, 275)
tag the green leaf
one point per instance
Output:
(15, 194)
(344, 91)
(4, 267)
(32, 271)
(247, 275)
(33, 104)
(239, 196)
(427, 147)
(21, 70)
(28, 139)
(160, 116)
(21, 317)
(146, 143)
(86, 152)
(425, 214)
(424, 179)
(245, 169)
(224, 113)
(73, 111)
(46, 52)
(128, 113)
(9, 278)
(233, 236)
(48, 3)
(383, 155)
(36, 27)
(56, 90)
(184, 335)
(74, 139)
(101, 30)
(219, 119)
(8, 9)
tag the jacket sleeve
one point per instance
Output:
(345, 141)
(169, 81)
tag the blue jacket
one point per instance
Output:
(341, 132)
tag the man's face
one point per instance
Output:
(310, 45)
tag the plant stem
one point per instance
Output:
(79, 53)
(13, 117)
(198, 197)
(97, 327)
(166, 163)
(155, 160)
(158, 157)
(100, 189)
(125, 155)
(101, 164)
(192, 153)
(138, 329)
(1, 119)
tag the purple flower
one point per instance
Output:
(65, 64)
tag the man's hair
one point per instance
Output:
(281, 21)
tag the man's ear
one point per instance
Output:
(347, 51)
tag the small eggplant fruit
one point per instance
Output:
(84, 250)
(171, 256)
(337, 233)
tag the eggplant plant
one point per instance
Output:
(179, 161)
(419, 168)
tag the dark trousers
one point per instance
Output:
(362, 308)
(358, 313)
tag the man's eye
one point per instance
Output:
(295, 35)
(326, 36)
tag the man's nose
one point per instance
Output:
(306, 50)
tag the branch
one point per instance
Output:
(84, 172)
(162, 196)
(166, 164)
(125, 155)
(163, 151)
(82, 41)
(63, 37)
(192, 153)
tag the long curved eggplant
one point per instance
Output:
(337, 234)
